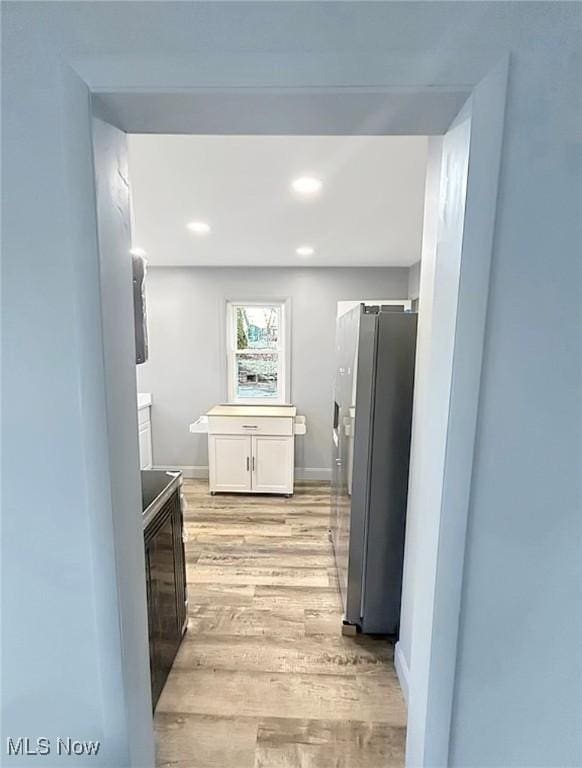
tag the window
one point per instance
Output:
(257, 365)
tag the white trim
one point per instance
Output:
(199, 472)
(438, 597)
(283, 351)
(132, 712)
(187, 470)
(313, 473)
(402, 670)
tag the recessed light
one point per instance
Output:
(305, 250)
(199, 227)
(138, 252)
(307, 185)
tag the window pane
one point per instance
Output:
(257, 375)
(257, 327)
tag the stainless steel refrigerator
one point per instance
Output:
(372, 415)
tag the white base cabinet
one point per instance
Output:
(272, 463)
(251, 449)
(145, 446)
(251, 464)
(145, 436)
(229, 463)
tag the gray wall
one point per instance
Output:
(186, 369)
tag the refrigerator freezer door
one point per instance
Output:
(389, 472)
(371, 446)
(361, 446)
(342, 454)
(384, 520)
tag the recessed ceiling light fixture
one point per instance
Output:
(307, 185)
(305, 250)
(137, 252)
(199, 227)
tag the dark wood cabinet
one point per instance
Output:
(166, 589)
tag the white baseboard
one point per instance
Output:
(313, 473)
(194, 472)
(201, 472)
(402, 670)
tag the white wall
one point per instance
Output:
(186, 369)
(518, 698)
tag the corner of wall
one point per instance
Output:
(402, 670)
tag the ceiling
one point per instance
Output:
(368, 213)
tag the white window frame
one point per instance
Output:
(283, 350)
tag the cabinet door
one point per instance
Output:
(229, 462)
(152, 628)
(164, 633)
(145, 445)
(272, 464)
(180, 565)
(166, 590)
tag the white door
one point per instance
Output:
(229, 462)
(272, 464)
(145, 446)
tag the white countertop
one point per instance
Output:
(288, 411)
(144, 400)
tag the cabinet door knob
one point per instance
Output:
(253, 463)
(248, 464)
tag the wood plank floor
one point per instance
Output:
(264, 677)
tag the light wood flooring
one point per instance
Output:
(264, 678)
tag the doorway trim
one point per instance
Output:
(127, 109)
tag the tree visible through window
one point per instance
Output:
(256, 354)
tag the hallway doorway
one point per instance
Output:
(464, 201)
